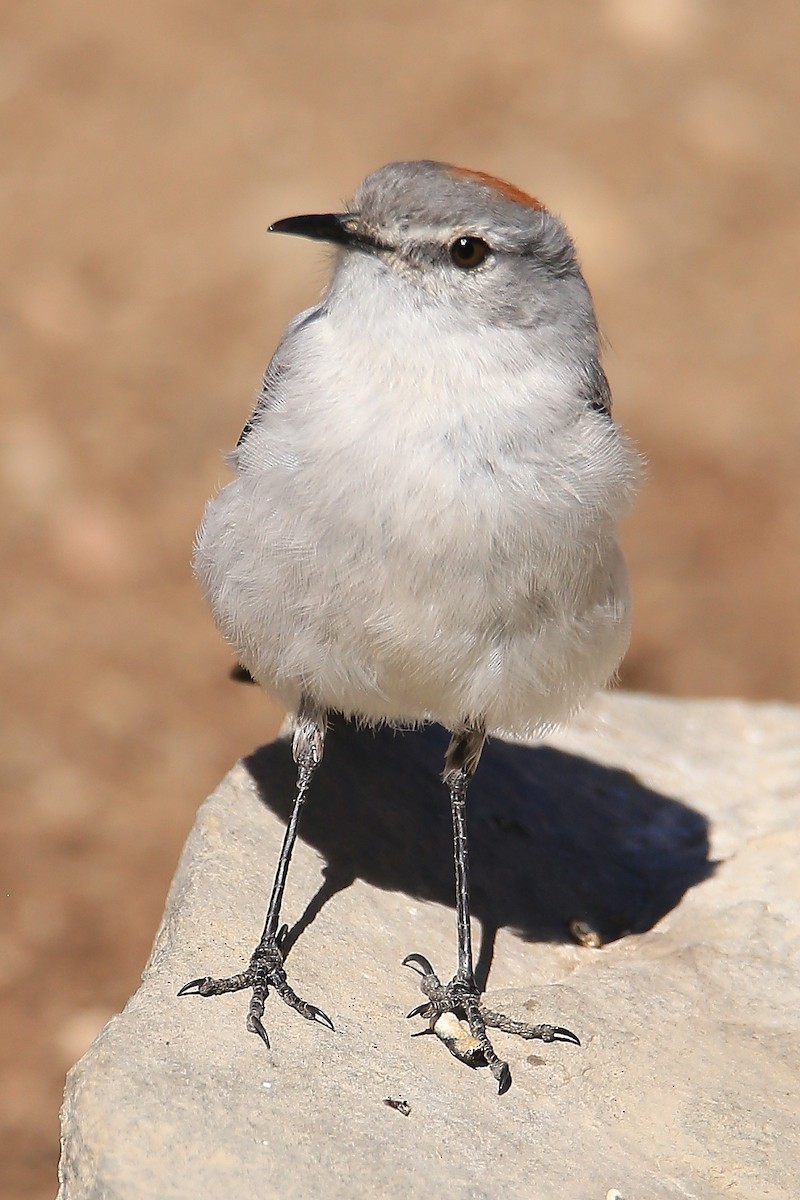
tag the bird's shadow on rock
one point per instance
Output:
(554, 838)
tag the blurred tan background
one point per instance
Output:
(145, 150)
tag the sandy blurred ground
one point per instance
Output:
(145, 149)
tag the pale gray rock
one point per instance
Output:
(672, 829)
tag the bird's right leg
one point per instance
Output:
(265, 969)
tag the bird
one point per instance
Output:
(422, 521)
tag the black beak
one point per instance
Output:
(326, 227)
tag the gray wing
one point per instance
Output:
(596, 389)
(275, 374)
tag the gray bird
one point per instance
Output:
(421, 526)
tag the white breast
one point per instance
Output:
(413, 534)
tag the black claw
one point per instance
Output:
(186, 990)
(502, 1074)
(565, 1035)
(254, 1025)
(321, 1017)
(419, 1011)
(281, 935)
(420, 960)
(423, 1032)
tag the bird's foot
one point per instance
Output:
(456, 1015)
(264, 972)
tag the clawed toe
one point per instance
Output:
(206, 985)
(316, 1014)
(254, 1026)
(502, 1074)
(194, 986)
(414, 960)
(542, 1033)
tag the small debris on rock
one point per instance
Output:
(584, 935)
(401, 1106)
(459, 1039)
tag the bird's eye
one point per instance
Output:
(468, 252)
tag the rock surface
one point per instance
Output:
(672, 829)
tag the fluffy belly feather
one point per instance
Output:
(411, 619)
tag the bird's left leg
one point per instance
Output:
(461, 996)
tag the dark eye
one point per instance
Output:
(468, 252)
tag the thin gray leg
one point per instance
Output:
(460, 764)
(265, 969)
(461, 995)
(308, 743)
